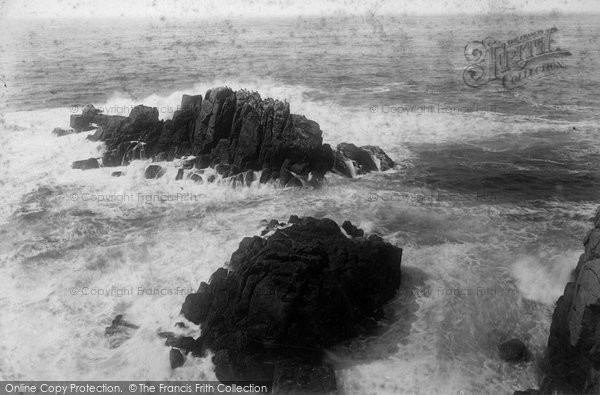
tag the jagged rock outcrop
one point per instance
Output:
(284, 298)
(573, 355)
(350, 160)
(233, 131)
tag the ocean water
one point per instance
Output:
(490, 199)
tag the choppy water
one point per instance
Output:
(490, 201)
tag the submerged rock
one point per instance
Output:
(176, 358)
(154, 171)
(236, 130)
(117, 174)
(119, 331)
(91, 163)
(287, 297)
(351, 160)
(513, 350)
(59, 132)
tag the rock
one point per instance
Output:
(573, 353)
(352, 230)
(91, 163)
(381, 159)
(154, 171)
(362, 157)
(143, 115)
(97, 135)
(176, 358)
(191, 103)
(58, 132)
(179, 175)
(196, 305)
(79, 123)
(527, 392)
(186, 343)
(237, 132)
(202, 161)
(344, 166)
(89, 112)
(196, 177)
(118, 324)
(180, 325)
(513, 350)
(351, 160)
(299, 377)
(119, 331)
(211, 178)
(117, 173)
(271, 226)
(304, 288)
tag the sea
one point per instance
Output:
(490, 199)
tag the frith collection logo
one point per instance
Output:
(515, 61)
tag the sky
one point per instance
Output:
(17, 9)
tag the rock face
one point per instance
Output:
(91, 163)
(351, 160)
(285, 298)
(573, 356)
(238, 131)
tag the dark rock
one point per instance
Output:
(117, 173)
(513, 350)
(118, 323)
(78, 123)
(382, 161)
(191, 103)
(361, 156)
(119, 331)
(573, 354)
(154, 171)
(211, 178)
(196, 177)
(58, 132)
(222, 170)
(344, 166)
(236, 132)
(186, 343)
(203, 161)
(299, 377)
(304, 288)
(180, 325)
(176, 358)
(143, 114)
(160, 157)
(166, 335)
(91, 163)
(188, 164)
(527, 392)
(179, 175)
(196, 305)
(89, 112)
(352, 230)
(97, 135)
(271, 226)
(294, 219)
(351, 160)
